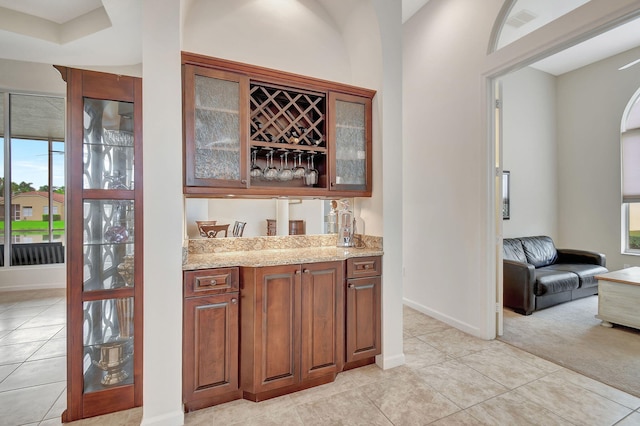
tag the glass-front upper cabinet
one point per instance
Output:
(104, 276)
(216, 128)
(350, 136)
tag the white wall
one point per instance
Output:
(297, 37)
(530, 152)
(591, 101)
(445, 161)
(163, 213)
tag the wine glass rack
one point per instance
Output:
(286, 119)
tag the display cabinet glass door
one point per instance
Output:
(216, 127)
(350, 134)
(105, 208)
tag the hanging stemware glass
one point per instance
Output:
(270, 172)
(299, 170)
(285, 173)
(311, 176)
(256, 171)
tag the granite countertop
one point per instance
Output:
(272, 257)
(270, 251)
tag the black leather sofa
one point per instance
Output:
(536, 275)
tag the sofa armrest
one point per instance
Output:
(518, 280)
(581, 256)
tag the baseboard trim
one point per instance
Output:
(460, 325)
(390, 362)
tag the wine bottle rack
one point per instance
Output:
(283, 116)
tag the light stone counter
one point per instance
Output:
(269, 251)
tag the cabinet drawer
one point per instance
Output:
(358, 267)
(210, 281)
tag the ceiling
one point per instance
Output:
(68, 31)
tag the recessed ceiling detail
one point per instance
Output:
(520, 18)
(76, 27)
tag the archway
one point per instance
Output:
(586, 22)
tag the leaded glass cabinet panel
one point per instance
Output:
(350, 135)
(104, 271)
(216, 127)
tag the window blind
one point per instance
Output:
(631, 166)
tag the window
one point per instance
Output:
(32, 161)
(630, 147)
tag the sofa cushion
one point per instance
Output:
(512, 250)
(539, 251)
(549, 281)
(585, 272)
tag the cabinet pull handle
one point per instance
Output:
(243, 181)
(367, 266)
(213, 282)
(351, 286)
(306, 271)
(298, 272)
(234, 301)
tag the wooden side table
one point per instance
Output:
(619, 297)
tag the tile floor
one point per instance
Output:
(449, 378)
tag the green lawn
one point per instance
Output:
(33, 225)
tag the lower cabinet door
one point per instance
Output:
(210, 346)
(363, 318)
(276, 330)
(322, 332)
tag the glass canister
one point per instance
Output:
(346, 225)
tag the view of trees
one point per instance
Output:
(27, 187)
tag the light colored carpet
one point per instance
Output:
(569, 335)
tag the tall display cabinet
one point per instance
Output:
(104, 222)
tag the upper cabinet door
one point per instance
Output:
(216, 128)
(350, 139)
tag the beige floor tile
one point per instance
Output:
(45, 320)
(52, 349)
(415, 324)
(408, 399)
(461, 384)
(11, 354)
(34, 373)
(340, 384)
(599, 388)
(572, 402)
(514, 409)
(370, 374)
(418, 354)
(7, 369)
(9, 324)
(55, 412)
(525, 356)
(240, 410)
(632, 419)
(24, 335)
(22, 311)
(288, 417)
(28, 405)
(455, 343)
(492, 364)
(346, 408)
(461, 418)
